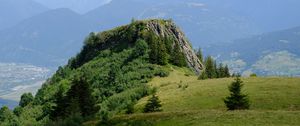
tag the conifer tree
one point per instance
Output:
(153, 49)
(60, 109)
(81, 94)
(153, 105)
(78, 99)
(200, 55)
(210, 67)
(221, 71)
(178, 57)
(226, 71)
(162, 56)
(202, 76)
(236, 100)
(26, 98)
(217, 74)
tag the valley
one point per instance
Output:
(16, 79)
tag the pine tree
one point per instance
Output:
(153, 105)
(200, 55)
(81, 94)
(236, 100)
(202, 76)
(210, 67)
(162, 54)
(60, 109)
(217, 74)
(26, 98)
(178, 57)
(221, 71)
(226, 71)
(153, 49)
(78, 99)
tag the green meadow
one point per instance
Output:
(187, 101)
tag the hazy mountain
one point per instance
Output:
(45, 39)
(9, 103)
(14, 11)
(52, 37)
(80, 6)
(255, 51)
(204, 23)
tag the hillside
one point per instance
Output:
(109, 74)
(280, 50)
(274, 101)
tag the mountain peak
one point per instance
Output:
(153, 31)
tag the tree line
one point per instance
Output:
(212, 69)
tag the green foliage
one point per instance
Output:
(78, 99)
(213, 70)
(253, 75)
(178, 58)
(18, 110)
(203, 76)
(26, 98)
(7, 118)
(153, 105)
(210, 68)
(106, 78)
(141, 48)
(226, 71)
(200, 55)
(236, 100)
(158, 53)
(72, 120)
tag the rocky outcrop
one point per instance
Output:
(168, 28)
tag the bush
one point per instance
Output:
(236, 100)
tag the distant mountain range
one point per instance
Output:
(79, 6)
(275, 53)
(14, 11)
(11, 104)
(50, 38)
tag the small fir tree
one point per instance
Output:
(236, 100)
(153, 105)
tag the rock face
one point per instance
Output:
(168, 28)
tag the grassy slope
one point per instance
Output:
(274, 101)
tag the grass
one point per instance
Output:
(187, 101)
(211, 118)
